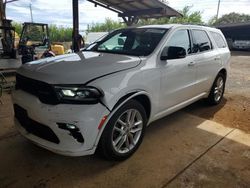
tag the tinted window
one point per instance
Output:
(136, 41)
(180, 39)
(219, 40)
(201, 41)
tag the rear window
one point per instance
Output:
(219, 40)
(201, 41)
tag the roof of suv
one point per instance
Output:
(168, 26)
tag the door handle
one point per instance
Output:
(217, 58)
(191, 64)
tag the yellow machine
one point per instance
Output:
(57, 49)
(35, 42)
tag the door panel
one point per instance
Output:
(177, 82)
(207, 60)
(177, 75)
(207, 67)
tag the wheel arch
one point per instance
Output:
(137, 95)
(224, 72)
(141, 97)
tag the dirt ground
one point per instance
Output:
(234, 111)
(199, 146)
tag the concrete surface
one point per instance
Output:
(199, 146)
(10, 63)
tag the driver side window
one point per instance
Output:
(181, 39)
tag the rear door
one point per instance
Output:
(207, 60)
(221, 43)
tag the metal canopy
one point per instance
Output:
(131, 11)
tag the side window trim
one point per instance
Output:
(193, 40)
(224, 45)
(189, 37)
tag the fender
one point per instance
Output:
(114, 111)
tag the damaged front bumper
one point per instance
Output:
(66, 129)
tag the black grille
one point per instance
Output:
(45, 92)
(34, 127)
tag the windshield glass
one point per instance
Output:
(136, 41)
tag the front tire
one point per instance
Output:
(217, 90)
(124, 132)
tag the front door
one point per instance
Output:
(178, 76)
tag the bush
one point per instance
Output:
(57, 34)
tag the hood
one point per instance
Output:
(77, 68)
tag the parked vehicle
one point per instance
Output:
(35, 43)
(241, 44)
(104, 97)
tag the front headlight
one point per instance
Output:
(78, 95)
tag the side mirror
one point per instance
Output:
(173, 52)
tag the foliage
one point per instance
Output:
(60, 34)
(188, 17)
(57, 34)
(107, 26)
(34, 33)
(212, 21)
(153, 21)
(18, 27)
(232, 18)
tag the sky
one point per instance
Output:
(59, 11)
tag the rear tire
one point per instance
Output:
(217, 90)
(124, 132)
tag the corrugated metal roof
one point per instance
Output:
(139, 8)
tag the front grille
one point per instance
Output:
(34, 127)
(44, 91)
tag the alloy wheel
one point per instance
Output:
(218, 90)
(127, 131)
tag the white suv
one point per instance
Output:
(104, 97)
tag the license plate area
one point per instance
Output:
(34, 127)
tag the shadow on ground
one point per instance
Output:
(170, 145)
(240, 53)
(204, 110)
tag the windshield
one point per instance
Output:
(136, 41)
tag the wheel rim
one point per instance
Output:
(218, 90)
(127, 131)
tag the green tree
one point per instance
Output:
(18, 27)
(232, 18)
(153, 21)
(212, 21)
(188, 17)
(60, 34)
(57, 34)
(107, 26)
